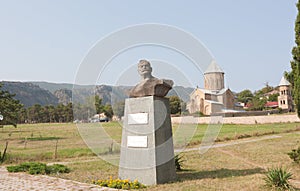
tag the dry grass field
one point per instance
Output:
(228, 167)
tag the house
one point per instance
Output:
(271, 104)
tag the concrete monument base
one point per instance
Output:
(147, 152)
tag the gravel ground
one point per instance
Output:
(24, 182)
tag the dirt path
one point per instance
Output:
(235, 142)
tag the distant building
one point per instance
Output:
(214, 97)
(285, 99)
(271, 104)
(267, 95)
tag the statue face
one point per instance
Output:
(144, 68)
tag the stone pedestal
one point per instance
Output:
(147, 152)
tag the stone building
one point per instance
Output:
(214, 97)
(285, 99)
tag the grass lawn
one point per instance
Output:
(234, 167)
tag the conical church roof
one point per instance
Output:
(213, 67)
(284, 82)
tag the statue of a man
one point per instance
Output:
(149, 85)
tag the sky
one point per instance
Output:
(50, 40)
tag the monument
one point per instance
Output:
(147, 152)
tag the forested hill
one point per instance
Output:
(45, 93)
(30, 94)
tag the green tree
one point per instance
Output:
(9, 108)
(22, 115)
(118, 109)
(108, 111)
(34, 113)
(264, 90)
(175, 104)
(98, 105)
(69, 112)
(273, 97)
(294, 75)
(245, 96)
(257, 103)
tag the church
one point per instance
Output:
(214, 98)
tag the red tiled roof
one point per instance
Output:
(271, 104)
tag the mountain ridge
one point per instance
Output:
(49, 93)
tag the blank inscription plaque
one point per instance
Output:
(137, 118)
(137, 141)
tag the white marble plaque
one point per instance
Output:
(137, 118)
(137, 141)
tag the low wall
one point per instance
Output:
(238, 120)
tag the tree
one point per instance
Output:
(294, 75)
(108, 111)
(22, 115)
(9, 108)
(265, 90)
(273, 97)
(257, 103)
(35, 113)
(118, 109)
(175, 104)
(245, 96)
(98, 105)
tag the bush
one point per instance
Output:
(24, 167)
(57, 168)
(178, 161)
(295, 155)
(38, 168)
(278, 178)
(242, 136)
(119, 184)
(15, 169)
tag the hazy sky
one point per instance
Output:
(47, 40)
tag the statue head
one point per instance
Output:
(149, 85)
(145, 69)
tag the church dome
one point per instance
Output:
(213, 67)
(214, 77)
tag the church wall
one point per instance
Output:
(195, 104)
(228, 99)
(212, 108)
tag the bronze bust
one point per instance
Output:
(149, 85)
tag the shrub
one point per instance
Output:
(119, 184)
(38, 168)
(178, 161)
(24, 167)
(242, 136)
(278, 178)
(295, 155)
(15, 169)
(57, 168)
